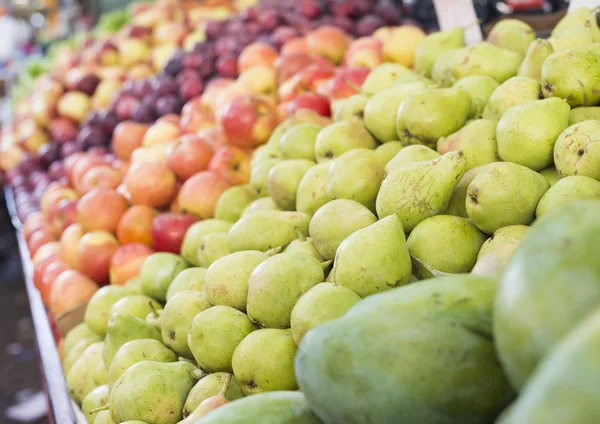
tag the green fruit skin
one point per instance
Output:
(512, 34)
(435, 44)
(76, 351)
(577, 151)
(567, 190)
(80, 378)
(340, 137)
(551, 175)
(215, 334)
(284, 179)
(158, 272)
(122, 329)
(373, 259)
(504, 194)
(285, 277)
(382, 77)
(209, 386)
(324, 302)
(136, 305)
(94, 399)
(79, 333)
(536, 307)
(98, 308)
(233, 201)
(458, 204)
(194, 234)
(104, 417)
(299, 142)
(261, 204)
(422, 353)
(563, 388)
(480, 88)
(177, 319)
(538, 52)
(411, 154)
(212, 247)
(150, 391)
(477, 140)
(267, 408)
(312, 194)
(584, 113)
(352, 107)
(447, 243)
(503, 236)
(188, 279)
(137, 351)
(512, 92)
(264, 361)
(485, 59)
(387, 151)
(260, 174)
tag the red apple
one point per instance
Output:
(295, 45)
(168, 231)
(49, 249)
(364, 52)
(151, 183)
(127, 261)
(328, 41)
(69, 240)
(188, 156)
(51, 273)
(347, 82)
(127, 137)
(70, 162)
(83, 165)
(136, 225)
(102, 176)
(214, 136)
(256, 54)
(94, 252)
(101, 210)
(62, 129)
(199, 194)
(63, 216)
(35, 221)
(312, 101)
(40, 268)
(70, 289)
(248, 121)
(51, 198)
(164, 130)
(231, 163)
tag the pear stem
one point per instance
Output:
(99, 409)
(226, 384)
(300, 235)
(154, 311)
(198, 374)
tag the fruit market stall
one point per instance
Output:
(276, 212)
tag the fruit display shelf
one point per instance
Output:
(62, 410)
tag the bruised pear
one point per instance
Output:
(577, 151)
(420, 190)
(477, 140)
(512, 92)
(423, 118)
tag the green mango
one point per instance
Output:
(537, 306)
(422, 353)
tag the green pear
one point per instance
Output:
(538, 306)
(194, 234)
(272, 147)
(259, 176)
(213, 247)
(387, 151)
(373, 259)
(562, 389)
(80, 377)
(76, 351)
(526, 133)
(226, 281)
(584, 114)
(504, 194)
(284, 179)
(134, 284)
(445, 243)
(266, 229)
(312, 194)
(512, 92)
(328, 231)
(158, 271)
(137, 351)
(441, 72)
(494, 262)
(135, 305)
(211, 385)
(380, 112)
(579, 35)
(261, 204)
(285, 277)
(512, 34)
(382, 77)
(566, 74)
(94, 399)
(324, 302)
(551, 174)
(214, 335)
(78, 333)
(418, 354)
(356, 175)
(233, 201)
(155, 318)
(411, 154)
(340, 137)
(263, 153)
(480, 88)
(152, 391)
(411, 78)
(423, 118)
(98, 308)
(299, 142)
(264, 361)
(573, 18)
(433, 45)
(122, 329)
(177, 320)
(486, 59)
(352, 107)
(538, 52)
(457, 205)
(188, 279)
(477, 140)
(103, 417)
(576, 151)
(266, 408)
(100, 374)
(567, 190)
(420, 190)
(304, 246)
(502, 236)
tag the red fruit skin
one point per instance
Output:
(313, 101)
(168, 231)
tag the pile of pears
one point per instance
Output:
(363, 260)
